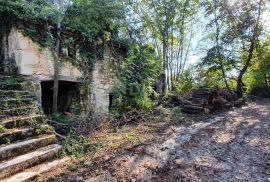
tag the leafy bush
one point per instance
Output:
(62, 118)
(134, 89)
(257, 79)
(13, 80)
(186, 82)
(260, 91)
(75, 145)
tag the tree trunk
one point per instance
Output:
(218, 48)
(239, 89)
(56, 61)
(164, 79)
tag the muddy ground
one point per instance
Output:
(232, 145)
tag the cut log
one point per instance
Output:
(192, 109)
(205, 100)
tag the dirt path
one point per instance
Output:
(235, 147)
(229, 146)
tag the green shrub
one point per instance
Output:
(61, 117)
(134, 90)
(178, 114)
(42, 129)
(186, 82)
(76, 145)
(2, 128)
(14, 78)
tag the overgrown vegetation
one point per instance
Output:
(135, 86)
(2, 128)
(258, 76)
(76, 145)
(42, 129)
(61, 118)
(87, 26)
(160, 37)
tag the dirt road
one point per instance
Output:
(229, 146)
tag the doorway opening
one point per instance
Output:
(66, 91)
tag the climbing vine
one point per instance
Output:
(87, 25)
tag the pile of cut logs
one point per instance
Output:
(206, 100)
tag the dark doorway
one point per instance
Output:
(110, 100)
(66, 91)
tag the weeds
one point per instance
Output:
(76, 145)
(178, 114)
(2, 129)
(61, 118)
(129, 137)
(44, 129)
(14, 79)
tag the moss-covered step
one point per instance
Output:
(13, 103)
(10, 79)
(19, 111)
(17, 164)
(4, 77)
(14, 86)
(23, 86)
(11, 135)
(15, 122)
(15, 94)
(9, 76)
(28, 145)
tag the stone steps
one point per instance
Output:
(23, 143)
(15, 86)
(18, 111)
(11, 135)
(13, 93)
(15, 122)
(4, 77)
(12, 103)
(17, 97)
(20, 163)
(9, 77)
(22, 147)
(31, 173)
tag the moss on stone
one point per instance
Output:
(2, 129)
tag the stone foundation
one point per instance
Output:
(35, 64)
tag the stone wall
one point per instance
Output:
(105, 74)
(32, 60)
(35, 64)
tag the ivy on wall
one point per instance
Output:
(86, 25)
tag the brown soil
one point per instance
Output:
(228, 146)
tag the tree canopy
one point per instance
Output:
(229, 37)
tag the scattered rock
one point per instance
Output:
(179, 161)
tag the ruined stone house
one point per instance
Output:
(36, 65)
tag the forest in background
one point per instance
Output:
(228, 39)
(200, 56)
(172, 47)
